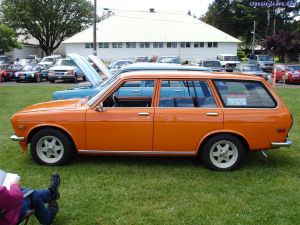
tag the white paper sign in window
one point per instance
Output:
(236, 101)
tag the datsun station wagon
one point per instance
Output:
(217, 117)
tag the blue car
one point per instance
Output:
(98, 82)
(31, 72)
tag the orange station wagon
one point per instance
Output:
(216, 116)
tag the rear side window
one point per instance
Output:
(244, 94)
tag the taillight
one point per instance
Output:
(72, 72)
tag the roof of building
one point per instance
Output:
(142, 26)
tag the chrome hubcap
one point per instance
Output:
(223, 154)
(50, 149)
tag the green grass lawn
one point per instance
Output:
(157, 190)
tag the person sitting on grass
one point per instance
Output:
(14, 207)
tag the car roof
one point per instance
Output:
(187, 74)
(161, 66)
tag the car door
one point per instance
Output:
(181, 122)
(125, 124)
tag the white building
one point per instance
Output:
(129, 34)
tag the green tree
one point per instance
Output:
(49, 21)
(236, 18)
(8, 39)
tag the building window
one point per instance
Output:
(103, 45)
(171, 45)
(130, 45)
(158, 44)
(185, 44)
(145, 45)
(198, 44)
(117, 45)
(212, 44)
(89, 45)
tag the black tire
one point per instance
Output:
(52, 81)
(84, 78)
(75, 79)
(231, 156)
(59, 151)
(37, 79)
(17, 80)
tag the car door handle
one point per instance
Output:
(178, 90)
(135, 90)
(143, 114)
(212, 114)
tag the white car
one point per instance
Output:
(66, 70)
(228, 61)
(49, 61)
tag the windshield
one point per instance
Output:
(95, 98)
(121, 63)
(14, 67)
(65, 62)
(264, 58)
(30, 68)
(48, 60)
(168, 60)
(293, 68)
(231, 58)
(211, 64)
(250, 68)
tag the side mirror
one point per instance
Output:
(100, 108)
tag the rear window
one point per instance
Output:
(244, 94)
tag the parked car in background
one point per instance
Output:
(168, 59)
(265, 62)
(228, 61)
(66, 70)
(31, 72)
(251, 69)
(22, 62)
(139, 59)
(49, 61)
(115, 65)
(162, 113)
(34, 58)
(6, 59)
(97, 83)
(212, 64)
(3, 68)
(10, 71)
(287, 73)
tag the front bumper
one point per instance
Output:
(16, 138)
(287, 143)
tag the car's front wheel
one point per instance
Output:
(51, 147)
(222, 152)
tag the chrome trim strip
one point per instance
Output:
(16, 138)
(287, 143)
(136, 152)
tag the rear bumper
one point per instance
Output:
(16, 138)
(287, 143)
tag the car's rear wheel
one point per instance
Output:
(222, 152)
(51, 147)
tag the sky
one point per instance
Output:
(197, 7)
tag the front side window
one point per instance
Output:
(186, 94)
(135, 93)
(244, 94)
